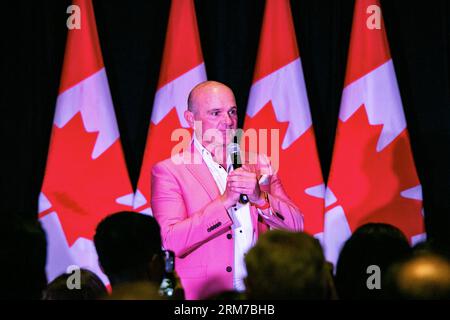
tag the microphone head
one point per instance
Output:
(234, 151)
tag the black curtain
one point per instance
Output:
(132, 37)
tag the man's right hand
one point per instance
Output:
(229, 198)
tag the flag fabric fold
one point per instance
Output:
(86, 178)
(372, 176)
(182, 68)
(278, 103)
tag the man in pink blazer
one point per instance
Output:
(197, 203)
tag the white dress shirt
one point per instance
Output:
(243, 234)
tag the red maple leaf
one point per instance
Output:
(159, 147)
(80, 189)
(299, 167)
(368, 183)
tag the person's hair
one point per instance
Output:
(142, 290)
(286, 265)
(423, 276)
(127, 244)
(373, 244)
(228, 295)
(90, 287)
(23, 258)
(431, 246)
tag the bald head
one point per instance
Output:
(204, 90)
(426, 276)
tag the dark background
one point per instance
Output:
(132, 36)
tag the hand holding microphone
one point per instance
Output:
(245, 183)
(234, 151)
(241, 181)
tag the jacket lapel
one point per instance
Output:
(200, 171)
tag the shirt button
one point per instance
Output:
(229, 236)
(229, 269)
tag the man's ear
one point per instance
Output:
(189, 117)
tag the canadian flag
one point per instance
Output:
(372, 177)
(278, 101)
(86, 177)
(182, 68)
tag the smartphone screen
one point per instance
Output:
(168, 282)
(169, 261)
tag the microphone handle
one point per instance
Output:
(237, 164)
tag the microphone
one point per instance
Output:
(234, 151)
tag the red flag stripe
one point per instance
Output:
(278, 45)
(182, 46)
(368, 47)
(82, 49)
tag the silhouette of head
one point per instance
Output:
(287, 265)
(424, 276)
(90, 287)
(23, 257)
(129, 248)
(136, 291)
(373, 244)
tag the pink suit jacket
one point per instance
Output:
(197, 227)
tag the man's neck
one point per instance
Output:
(219, 155)
(218, 152)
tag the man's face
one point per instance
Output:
(215, 115)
